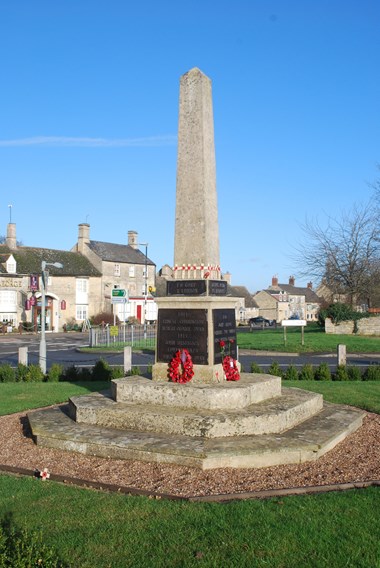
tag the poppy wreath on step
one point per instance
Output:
(230, 368)
(181, 367)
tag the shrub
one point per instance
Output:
(341, 373)
(291, 373)
(354, 374)
(307, 373)
(255, 368)
(117, 373)
(84, 374)
(101, 371)
(322, 373)
(134, 371)
(7, 374)
(372, 373)
(35, 375)
(275, 369)
(71, 374)
(22, 373)
(340, 312)
(106, 317)
(55, 373)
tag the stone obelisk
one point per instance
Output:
(196, 315)
(196, 247)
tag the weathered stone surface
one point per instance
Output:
(196, 247)
(306, 442)
(273, 415)
(222, 396)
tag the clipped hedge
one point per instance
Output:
(101, 371)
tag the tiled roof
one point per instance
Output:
(118, 253)
(310, 295)
(29, 261)
(243, 292)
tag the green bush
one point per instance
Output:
(117, 373)
(21, 373)
(291, 373)
(275, 369)
(34, 374)
(322, 373)
(7, 374)
(134, 371)
(71, 374)
(55, 373)
(372, 373)
(340, 312)
(255, 368)
(101, 371)
(84, 374)
(341, 373)
(354, 374)
(306, 373)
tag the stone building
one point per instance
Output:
(121, 266)
(284, 301)
(81, 288)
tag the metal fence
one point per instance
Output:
(137, 336)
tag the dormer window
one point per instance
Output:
(11, 265)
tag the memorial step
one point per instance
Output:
(269, 416)
(308, 441)
(248, 390)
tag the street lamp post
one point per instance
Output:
(42, 359)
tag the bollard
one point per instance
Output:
(342, 359)
(23, 356)
(127, 359)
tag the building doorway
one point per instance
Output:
(49, 324)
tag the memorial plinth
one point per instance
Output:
(198, 324)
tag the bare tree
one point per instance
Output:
(344, 254)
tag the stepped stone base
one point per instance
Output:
(250, 423)
(306, 442)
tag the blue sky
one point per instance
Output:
(89, 114)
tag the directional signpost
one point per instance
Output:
(119, 296)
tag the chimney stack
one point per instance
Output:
(83, 236)
(11, 240)
(310, 285)
(133, 239)
(292, 280)
(274, 282)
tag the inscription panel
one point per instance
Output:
(224, 330)
(186, 288)
(182, 329)
(217, 288)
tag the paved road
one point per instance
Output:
(63, 348)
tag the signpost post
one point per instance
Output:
(294, 323)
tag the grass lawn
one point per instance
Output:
(90, 529)
(362, 394)
(15, 397)
(316, 341)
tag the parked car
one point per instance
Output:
(260, 321)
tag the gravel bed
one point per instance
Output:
(356, 459)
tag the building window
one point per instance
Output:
(81, 312)
(81, 291)
(131, 272)
(8, 300)
(82, 285)
(11, 267)
(116, 270)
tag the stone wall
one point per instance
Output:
(365, 326)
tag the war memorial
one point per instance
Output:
(199, 409)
